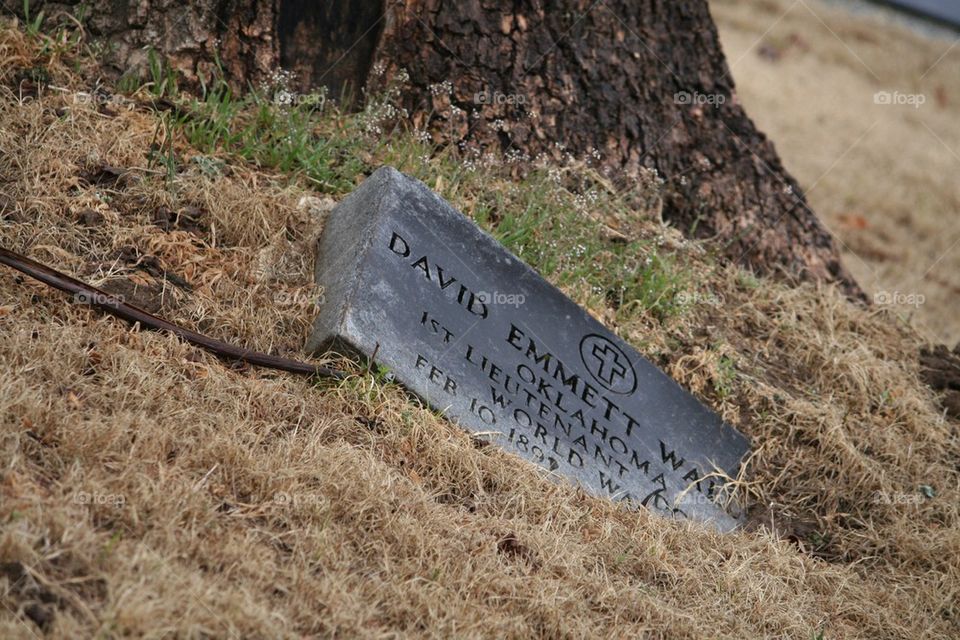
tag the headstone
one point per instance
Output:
(469, 327)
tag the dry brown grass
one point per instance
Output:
(148, 489)
(881, 177)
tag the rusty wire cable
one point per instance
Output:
(132, 314)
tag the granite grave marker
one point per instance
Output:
(477, 333)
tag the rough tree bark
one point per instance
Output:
(644, 82)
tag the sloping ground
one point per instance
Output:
(149, 489)
(863, 112)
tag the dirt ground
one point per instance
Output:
(863, 109)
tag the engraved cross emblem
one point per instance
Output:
(609, 366)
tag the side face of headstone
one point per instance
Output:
(467, 326)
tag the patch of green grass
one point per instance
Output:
(60, 37)
(32, 24)
(727, 375)
(257, 129)
(163, 78)
(748, 280)
(162, 151)
(128, 83)
(550, 229)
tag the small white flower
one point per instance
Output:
(444, 88)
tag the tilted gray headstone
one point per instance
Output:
(466, 325)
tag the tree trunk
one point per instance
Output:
(642, 82)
